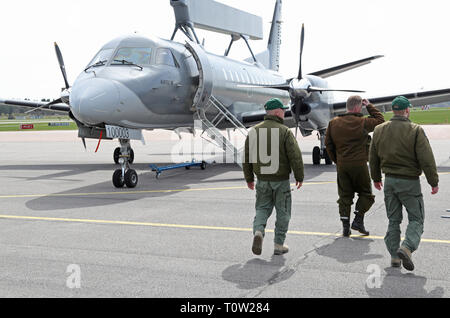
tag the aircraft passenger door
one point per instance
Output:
(206, 75)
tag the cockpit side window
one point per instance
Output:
(136, 55)
(165, 57)
(102, 57)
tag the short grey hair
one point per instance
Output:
(353, 101)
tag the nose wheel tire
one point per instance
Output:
(131, 178)
(117, 179)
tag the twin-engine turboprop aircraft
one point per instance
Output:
(136, 83)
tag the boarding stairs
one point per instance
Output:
(213, 115)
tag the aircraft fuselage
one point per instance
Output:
(160, 94)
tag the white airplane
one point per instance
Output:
(136, 83)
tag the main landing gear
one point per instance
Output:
(321, 152)
(125, 175)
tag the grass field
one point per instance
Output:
(433, 116)
(38, 125)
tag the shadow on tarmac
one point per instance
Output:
(104, 193)
(258, 272)
(399, 285)
(348, 250)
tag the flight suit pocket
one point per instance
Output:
(287, 201)
(421, 207)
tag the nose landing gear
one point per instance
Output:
(116, 155)
(125, 175)
(321, 152)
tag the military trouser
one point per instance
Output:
(407, 193)
(270, 194)
(351, 179)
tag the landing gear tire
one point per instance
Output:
(316, 155)
(117, 179)
(124, 155)
(116, 155)
(203, 165)
(131, 159)
(131, 178)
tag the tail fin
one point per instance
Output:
(270, 58)
(274, 43)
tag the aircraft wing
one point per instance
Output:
(417, 99)
(59, 107)
(344, 67)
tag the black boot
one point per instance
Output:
(346, 227)
(358, 223)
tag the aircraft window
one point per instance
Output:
(237, 76)
(225, 74)
(102, 57)
(164, 57)
(136, 55)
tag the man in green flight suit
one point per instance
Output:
(347, 143)
(402, 151)
(271, 153)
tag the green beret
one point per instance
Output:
(275, 103)
(400, 103)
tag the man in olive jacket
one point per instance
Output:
(402, 151)
(271, 153)
(347, 143)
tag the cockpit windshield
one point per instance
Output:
(101, 58)
(134, 55)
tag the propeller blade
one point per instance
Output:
(302, 39)
(61, 65)
(320, 89)
(56, 101)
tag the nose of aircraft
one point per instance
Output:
(93, 99)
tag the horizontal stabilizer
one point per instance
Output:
(344, 67)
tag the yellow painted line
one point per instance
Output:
(138, 192)
(192, 227)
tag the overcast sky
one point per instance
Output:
(412, 34)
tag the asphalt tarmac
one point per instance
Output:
(67, 232)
